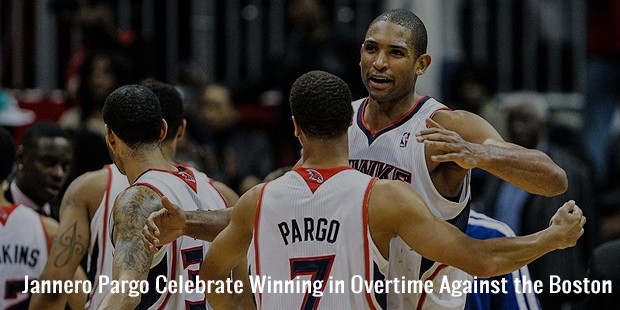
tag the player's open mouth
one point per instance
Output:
(379, 82)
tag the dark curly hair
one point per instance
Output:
(171, 105)
(409, 20)
(321, 104)
(7, 154)
(133, 113)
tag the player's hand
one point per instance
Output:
(569, 220)
(450, 145)
(163, 226)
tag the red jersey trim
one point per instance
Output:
(315, 177)
(369, 298)
(432, 277)
(5, 213)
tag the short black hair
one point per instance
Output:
(171, 105)
(321, 104)
(7, 154)
(42, 129)
(407, 19)
(133, 113)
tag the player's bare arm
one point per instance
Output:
(71, 241)
(457, 141)
(171, 222)
(229, 248)
(409, 218)
(132, 260)
(230, 196)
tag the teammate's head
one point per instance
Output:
(409, 20)
(133, 113)
(43, 160)
(7, 154)
(171, 105)
(321, 105)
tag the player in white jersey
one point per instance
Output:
(89, 200)
(399, 134)
(25, 237)
(24, 242)
(329, 242)
(298, 218)
(134, 131)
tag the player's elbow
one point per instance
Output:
(483, 268)
(558, 183)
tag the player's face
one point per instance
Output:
(388, 62)
(45, 168)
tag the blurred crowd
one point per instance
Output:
(238, 134)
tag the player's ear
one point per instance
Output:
(164, 130)
(296, 127)
(110, 138)
(422, 63)
(181, 130)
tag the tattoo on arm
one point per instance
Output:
(71, 243)
(130, 213)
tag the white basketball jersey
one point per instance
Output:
(394, 153)
(24, 248)
(311, 225)
(180, 260)
(100, 250)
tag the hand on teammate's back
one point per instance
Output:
(163, 226)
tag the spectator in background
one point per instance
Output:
(102, 72)
(602, 94)
(239, 157)
(43, 160)
(526, 213)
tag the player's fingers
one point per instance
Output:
(147, 240)
(169, 205)
(430, 123)
(583, 221)
(150, 223)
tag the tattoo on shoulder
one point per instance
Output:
(131, 210)
(71, 243)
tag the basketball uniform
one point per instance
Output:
(483, 227)
(99, 253)
(180, 260)
(394, 153)
(25, 247)
(311, 225)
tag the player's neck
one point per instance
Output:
(153, 159)
(325, 153)
(379, 115)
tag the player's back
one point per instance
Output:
(312, 225)
(25, 247)
(179, 261)
(100, 249)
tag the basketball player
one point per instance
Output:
(134, 130)
(88, 201)
(401, 135)
(331, 222)
(25, 236)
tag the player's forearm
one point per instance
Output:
(530, 170)
(509, 254)
(206, 225)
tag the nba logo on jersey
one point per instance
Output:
(314, 176)
(405, 139)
